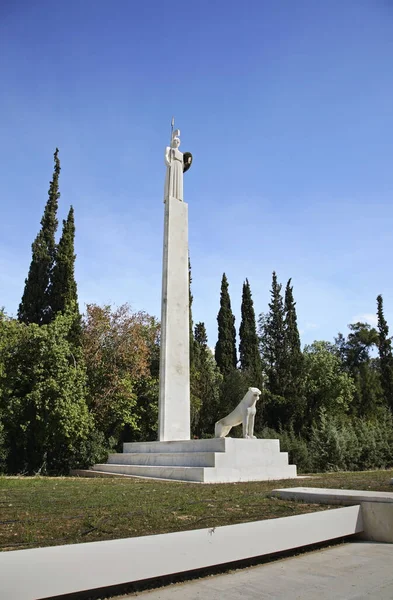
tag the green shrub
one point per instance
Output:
(339, 444)
(42, 395)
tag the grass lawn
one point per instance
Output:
(47, 511)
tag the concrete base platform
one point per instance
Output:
(217, 460)
(354, 571)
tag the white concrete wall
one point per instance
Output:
(174, 398)
(378, 522)
(331, 496)
(45, 572)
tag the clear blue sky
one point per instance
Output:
(286, 106)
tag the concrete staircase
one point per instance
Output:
(217, 460)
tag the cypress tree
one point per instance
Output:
(273, 340)
(63, 294)
(201, 336)
(34, 306)
(385, 354)
(225, 351)
(207, 383)
(292, 337)
(62, 291)
(250, 359)
(293, 357)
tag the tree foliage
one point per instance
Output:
(63, 291)
(294, 363)
(225, 352)
(43, 392)
(327, 386)
(282, 359)
(272, 341)
(250, 359)
(35, 304)
(385, 354)
(355, 354)
(119, 348)
(206, 382)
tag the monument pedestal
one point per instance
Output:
(174, 396)
(217, 460)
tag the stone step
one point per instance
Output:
(214, 460)
(208, 445)
(201, 474)
(200, 459)
(158, 472)
(164, 459)
(253, 473)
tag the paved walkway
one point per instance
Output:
(353, 571)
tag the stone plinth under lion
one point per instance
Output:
(217, 460)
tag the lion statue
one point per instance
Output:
(243, 413)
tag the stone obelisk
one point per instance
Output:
(174, 397)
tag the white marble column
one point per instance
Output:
(174, 398)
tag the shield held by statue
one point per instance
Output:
(187, 161)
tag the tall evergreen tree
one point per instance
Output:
(385, 354)
(201, 336)
(225, 351)
(293, 359)
(272, 338)
(62, 290)
(34, 306)
(206, 383)
(63, 294)
(292, 337)
(250, 359)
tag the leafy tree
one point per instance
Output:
(326, 385)
(119, 348)
(205, 385)
(250, 359)
(225, 352)
(354, 352)
(42, 396)
(35, 303)
(385, 355)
